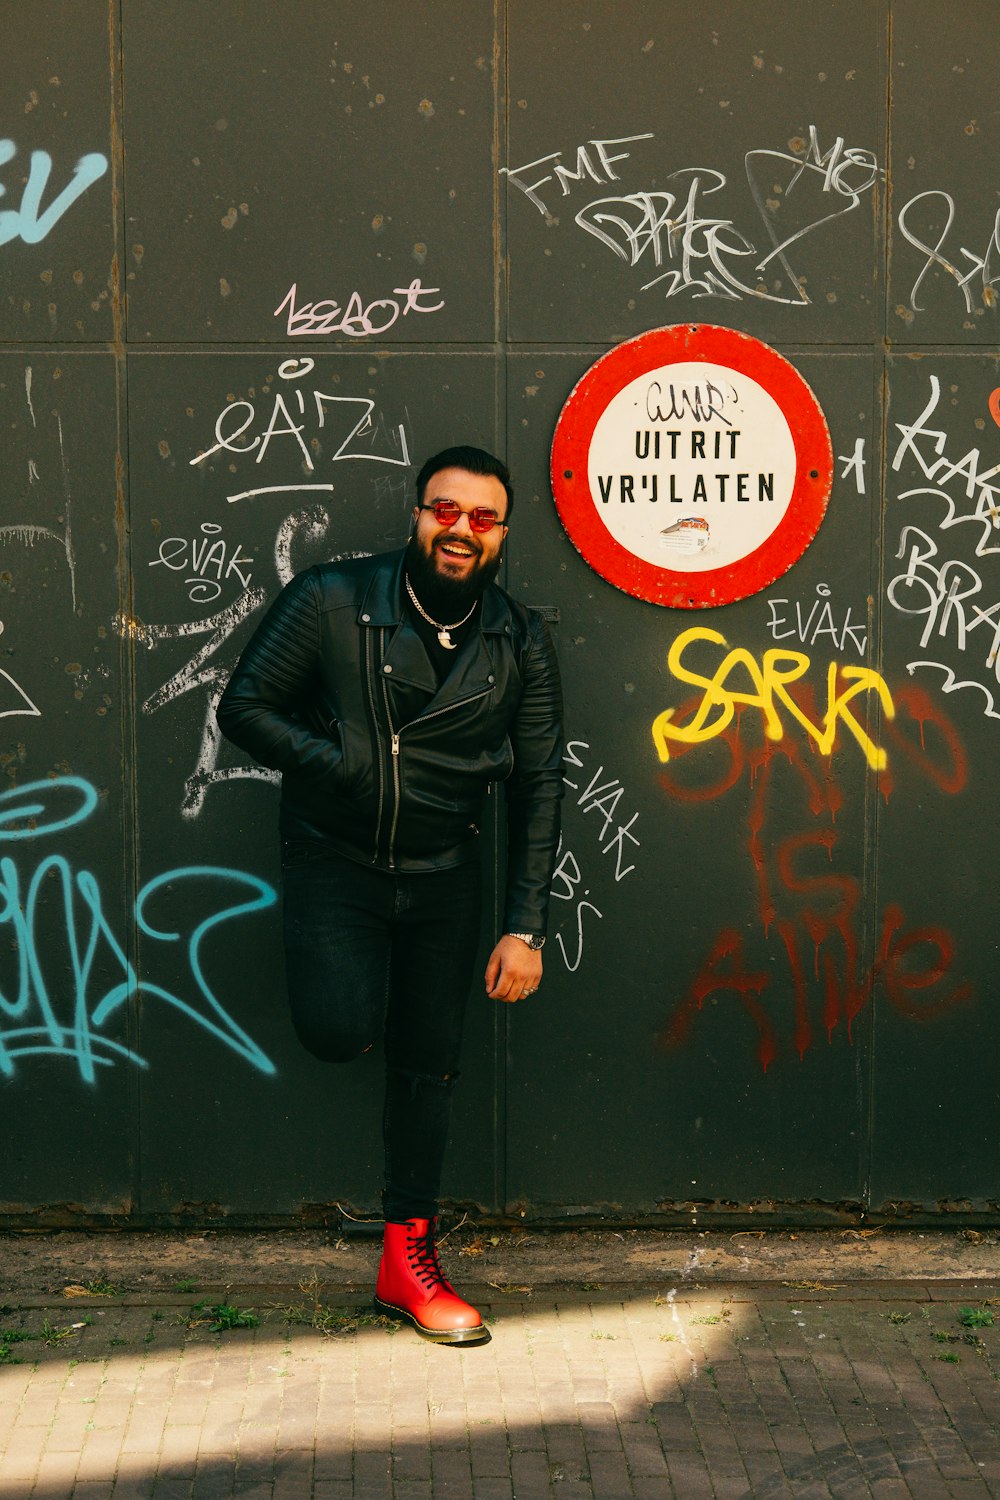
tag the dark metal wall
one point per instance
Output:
(256, 262)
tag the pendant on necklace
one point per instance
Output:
(445, 639)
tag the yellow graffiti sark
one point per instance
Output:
(770, 679)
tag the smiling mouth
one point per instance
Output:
(457, 550)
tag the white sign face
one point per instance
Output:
(692, 466)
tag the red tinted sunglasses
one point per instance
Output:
(447, 512)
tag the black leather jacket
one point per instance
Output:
(336, 691)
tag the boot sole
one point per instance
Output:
(478, 1335)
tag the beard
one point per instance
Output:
(442, 595)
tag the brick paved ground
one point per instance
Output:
(599, 1394)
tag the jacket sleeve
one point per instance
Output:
(535, 787)
(270, 707)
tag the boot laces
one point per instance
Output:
(421, 1252)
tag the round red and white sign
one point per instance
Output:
(691, 466)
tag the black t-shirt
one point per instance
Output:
(442, 659)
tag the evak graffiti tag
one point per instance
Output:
(58, 925)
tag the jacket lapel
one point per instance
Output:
(382, 608)
(473, 672)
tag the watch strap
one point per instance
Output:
(533, 942)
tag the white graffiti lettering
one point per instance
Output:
(818, 621)
(855, 464)
(357, 320)
(347, 420)
(208, 559)
(926, 445)
(705, 253)
(205, 671)
(947, 592)
(985, 268)
(602, 795)
(13, 698)
(586, 156)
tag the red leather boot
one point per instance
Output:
(411, 1286)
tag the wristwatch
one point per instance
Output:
(533, 942)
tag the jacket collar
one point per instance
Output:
(405, 656)
(382, 603)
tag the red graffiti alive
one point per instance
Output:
(834, 964)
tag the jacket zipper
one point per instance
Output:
(378, 737)
(396, 794)
(395, 748)
(394, 761)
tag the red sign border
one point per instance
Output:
(691, 342)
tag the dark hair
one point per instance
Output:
(473, 461)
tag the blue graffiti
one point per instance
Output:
(13, 810)
(30, 222)
(57, 900)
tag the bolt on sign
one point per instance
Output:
(691, 466)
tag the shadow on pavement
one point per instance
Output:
(686, 1391)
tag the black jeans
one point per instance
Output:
(369, 952)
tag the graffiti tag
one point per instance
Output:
(54, 1004)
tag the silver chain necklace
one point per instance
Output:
(442, 630)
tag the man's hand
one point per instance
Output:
(514, 970)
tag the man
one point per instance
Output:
(391, 692)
